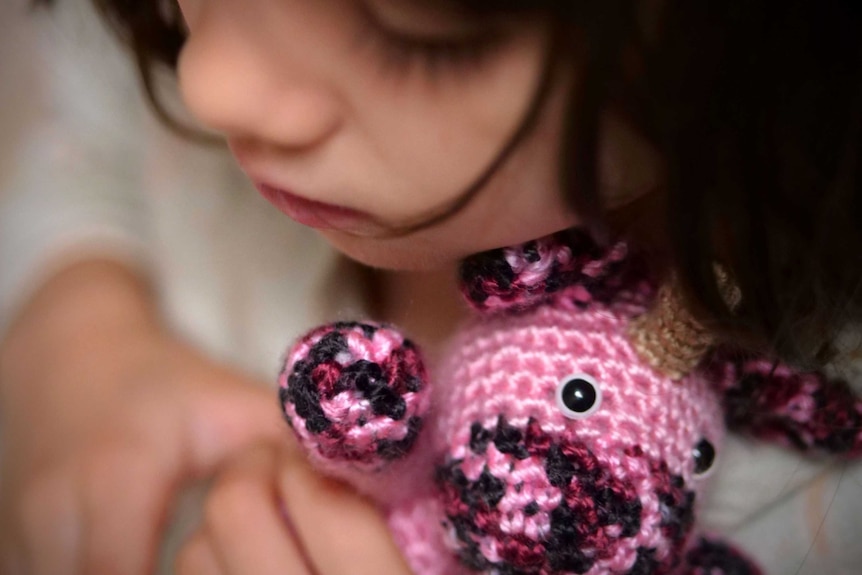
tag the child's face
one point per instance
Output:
(314, 99)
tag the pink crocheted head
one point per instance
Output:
(564, 452)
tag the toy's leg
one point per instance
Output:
(709, 556)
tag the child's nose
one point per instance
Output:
(233, 84)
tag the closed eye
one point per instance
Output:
(400, 50)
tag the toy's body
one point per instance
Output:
(543, 444)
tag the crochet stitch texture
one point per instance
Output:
(543, 443)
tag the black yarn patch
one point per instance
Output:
(390, 449)
(489, 489)
(509, 440)
(615, 510)
(367, 377)
(414, 383)
(479, 438)
(566, 541)
(469, 553)
(559, 469)
(304, 395)
(645, 564)
(329, 346)
(479, 270)
(482, 494)
(531, 252)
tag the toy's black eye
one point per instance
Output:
(704, 456)
(578, 396)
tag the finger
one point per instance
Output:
(340, 531)
(245, 523)
(197, 557)
(125, 495)
(47, 513)
(165, 445)
(226, 415)
(11, 556)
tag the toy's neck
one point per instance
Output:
(428, 306)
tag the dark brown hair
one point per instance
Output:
(755, 110)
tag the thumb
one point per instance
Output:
(225, 414)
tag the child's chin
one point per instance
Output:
(392, 253)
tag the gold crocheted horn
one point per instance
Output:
(668, 337)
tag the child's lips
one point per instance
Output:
(319, 215)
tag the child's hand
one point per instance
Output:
(270, 514)
(97, 503)
(104, 415)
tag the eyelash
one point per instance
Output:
(402, 53)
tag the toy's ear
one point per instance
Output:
(520, 277)
(803, 409)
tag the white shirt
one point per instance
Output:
(94, 173)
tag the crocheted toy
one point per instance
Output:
(543, 443)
